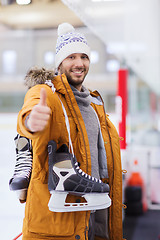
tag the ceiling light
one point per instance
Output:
(94, 57)
(23, 2)
(49, 57)
(112, 65)
(9, 58)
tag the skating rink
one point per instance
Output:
(11, 210)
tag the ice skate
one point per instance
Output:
(65, 177)
(23, 167)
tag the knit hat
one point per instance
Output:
(69, 41)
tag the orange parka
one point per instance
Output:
(39, 222)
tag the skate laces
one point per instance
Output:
(85, 174)
(70, 141)
(49, 83)
(23, 165)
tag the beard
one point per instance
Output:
(75, 81)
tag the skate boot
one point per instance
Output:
(23, 167)
(66, 177)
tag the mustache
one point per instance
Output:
(78, 69)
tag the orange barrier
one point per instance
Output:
(136, 180)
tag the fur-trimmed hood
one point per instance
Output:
(37, 75)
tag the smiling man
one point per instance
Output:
(75, 67)
(72, 55)
(95, 144)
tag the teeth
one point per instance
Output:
(78, 72)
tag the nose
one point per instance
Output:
(78, 62)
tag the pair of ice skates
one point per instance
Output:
(65, 177)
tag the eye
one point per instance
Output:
(71, 57)
(84, 57)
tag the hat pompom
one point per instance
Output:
(65, 28)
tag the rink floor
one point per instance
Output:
(142, 227)
(11, 211)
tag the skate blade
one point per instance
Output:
(21, 194)
(94, 201)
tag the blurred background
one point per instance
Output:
(124, 36)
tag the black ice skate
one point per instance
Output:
(23, 167)
(65, 177)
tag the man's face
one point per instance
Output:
(75, 67)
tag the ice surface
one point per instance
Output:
(11, 210)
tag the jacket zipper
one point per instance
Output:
(86, 230)
(112, 177)
(111, 147)
(109, 137)
(113, 168)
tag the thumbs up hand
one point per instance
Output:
(40, 114)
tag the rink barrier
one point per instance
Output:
(17, 236)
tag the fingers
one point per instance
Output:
(40, 110)
(43, 97)
(40, 114)
(36, 126)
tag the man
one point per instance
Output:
(95, 143)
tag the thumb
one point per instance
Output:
(43, 97)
